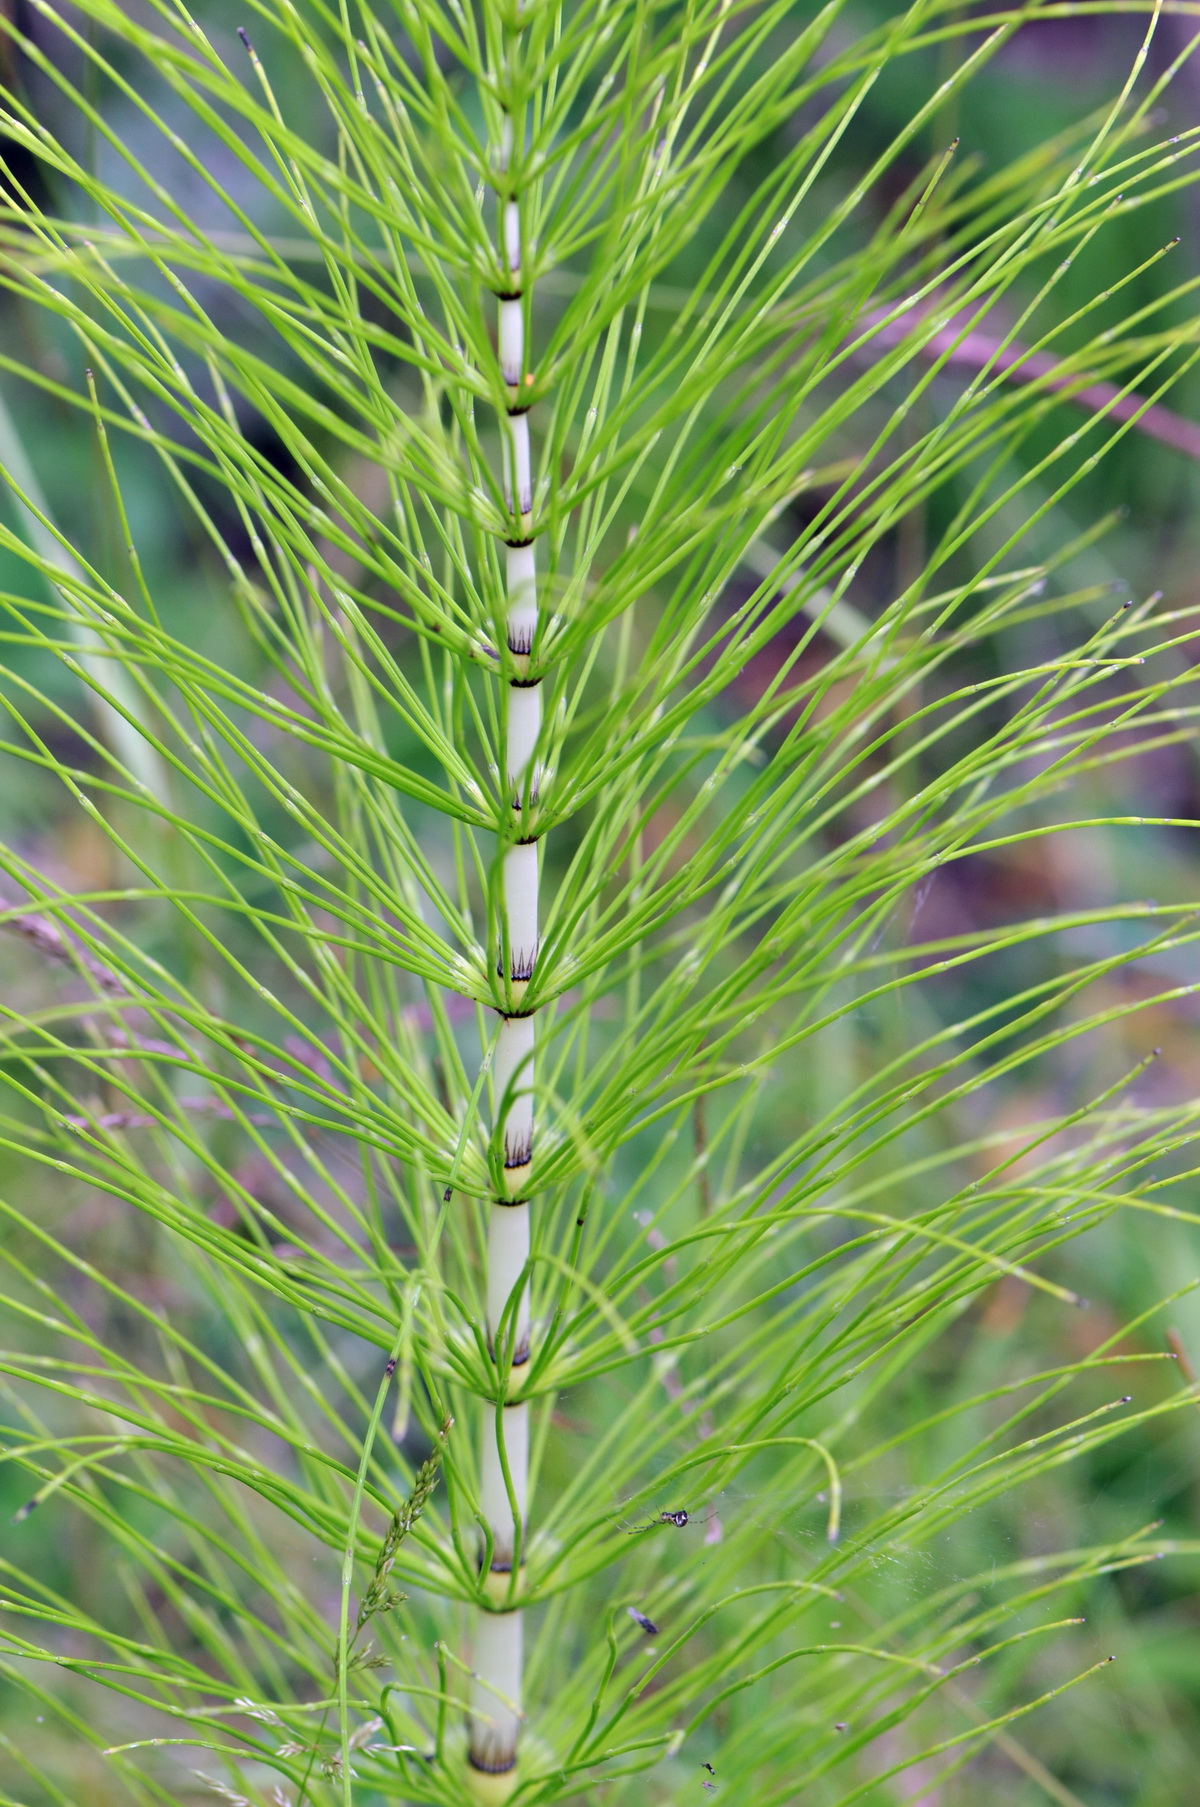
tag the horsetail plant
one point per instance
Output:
(538, 394)
(497, 1643)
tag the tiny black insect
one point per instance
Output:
(709, 1768)
(391, 1366)
(639, 1618)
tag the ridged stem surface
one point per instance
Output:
(496, 1655)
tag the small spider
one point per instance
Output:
(678, 1519)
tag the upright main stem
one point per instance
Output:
(495, 1705)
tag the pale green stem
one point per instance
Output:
(343, 1643)
(495, 1701)
(115, 701)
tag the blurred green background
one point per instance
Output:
(1130, 1737)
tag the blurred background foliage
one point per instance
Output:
(1129, 1736)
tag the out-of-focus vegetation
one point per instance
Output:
(1126, 1737)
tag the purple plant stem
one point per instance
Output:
(976, 351)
